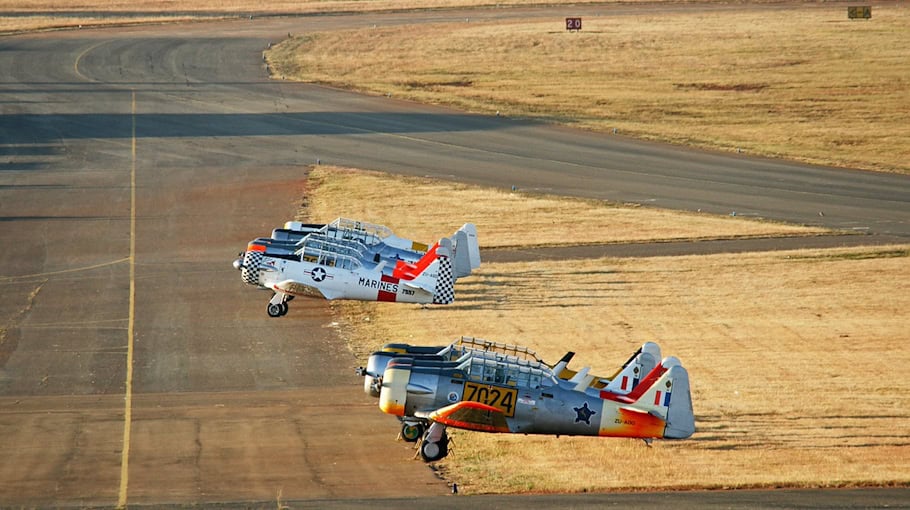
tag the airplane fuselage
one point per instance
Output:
(302, 278)
(551, 408)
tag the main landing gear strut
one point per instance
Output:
(435, 444)
(278, 306)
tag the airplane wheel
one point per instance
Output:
(284, 309)
(431, 452)
(411, 432)
(275, 310)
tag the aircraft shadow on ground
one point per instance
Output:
(520, 290)
(44, 128)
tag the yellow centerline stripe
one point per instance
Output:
(128, 398)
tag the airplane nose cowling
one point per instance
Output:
(394, 390)
(249, 267)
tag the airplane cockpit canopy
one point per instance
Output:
(327, 252)
(368, 233)
(494, 368)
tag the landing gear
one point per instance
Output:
(277, 310)
(435, 445)
(432, 451)
(411, 432)
(278, 306)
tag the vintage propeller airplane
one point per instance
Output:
(623, 381)
(322, 268)
(349, 259)
(493, 392)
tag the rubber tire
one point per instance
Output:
(431, 452)
(284, 309)
(274, 310)
(411, 433)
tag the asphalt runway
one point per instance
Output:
(135, 368)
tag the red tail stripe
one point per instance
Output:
(406, 271)
(639, 390)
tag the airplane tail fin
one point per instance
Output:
(669, 397)
(412, 270)
(432, 273)
(467, 250)
(640, 364)
(664, 393)
(445, 281)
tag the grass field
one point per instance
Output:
(27, 15)
(801, 83)
(497, 212)
(796, 359)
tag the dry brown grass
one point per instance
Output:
(801, 83)
(49, 14)
(797, 359)
(437, 208)
(277, 6)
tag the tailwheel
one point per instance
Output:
(411, 432)
(276, 309)
(432, 451)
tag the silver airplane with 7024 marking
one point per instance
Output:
(487, 391)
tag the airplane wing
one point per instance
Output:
(296, 288)
(470, 416)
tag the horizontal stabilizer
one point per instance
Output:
(580, 375)
(419, 285)
(584, 382)
(563, 363)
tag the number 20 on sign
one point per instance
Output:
(573, 23)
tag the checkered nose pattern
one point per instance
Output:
(250, 271)
(445, 284)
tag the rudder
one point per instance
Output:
(467, 251)
(445, 282)
(680, 418)
(639, 365)
(670, 398)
